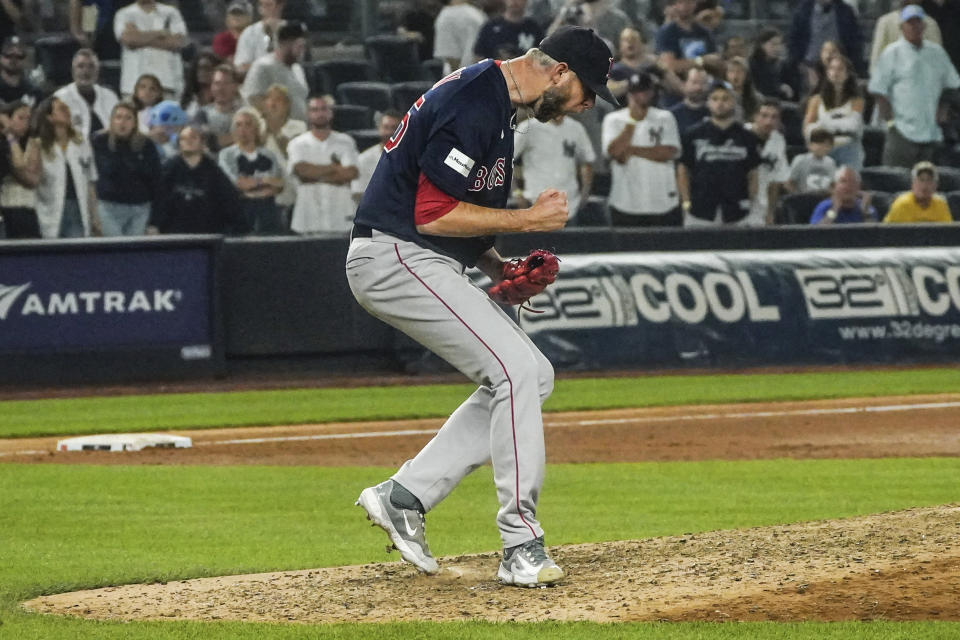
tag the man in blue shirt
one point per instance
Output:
(908, 84)
(846, 204)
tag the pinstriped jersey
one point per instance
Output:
(457, 137)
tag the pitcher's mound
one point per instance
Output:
(893, 566)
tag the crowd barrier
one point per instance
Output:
(172, 307)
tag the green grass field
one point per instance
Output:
(71, 527)
(299, 406)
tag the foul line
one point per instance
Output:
(561, 423)
(548, 423)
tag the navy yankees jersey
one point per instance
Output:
(454, 144)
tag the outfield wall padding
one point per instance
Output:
(287, 297)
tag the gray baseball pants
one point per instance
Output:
(427, 296)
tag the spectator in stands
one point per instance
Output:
(147, 94)
(735, 47)
(709, 15)
(642, 142)
(216, 118)
(816, 74)
(417, 22)
(66, 196)
(14, 83)
(367, 160)
(20, 167)
(456, 29)
(947, 15)
(847, 203)
(101, 37)
(921, 203)
(280, 130)
(324, 163)
(556, 154)
(257, 40)
(167, 119)
(11, 12)
(152, 35)
(602, 16)
(908, 84)
(193, 194)
(239, 17)
(838, 108)
(128, 167)
(717, 174)
(693, 109)
(90, 104)
(774, 169)
(818, 21)
(256, 173)
(634, 58)
(813, 171)
(196, 92)
(771, 75)
(738, 77)
(508, 34)
(282, 66)
(886, 31)
(683, 43)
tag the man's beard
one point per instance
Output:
(549, 106)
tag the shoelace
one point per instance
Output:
(534, 551)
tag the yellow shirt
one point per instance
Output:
(906, 209)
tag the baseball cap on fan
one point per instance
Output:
(586, 54)
(912, 11)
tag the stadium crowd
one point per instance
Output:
(842, 114)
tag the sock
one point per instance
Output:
(401, 498)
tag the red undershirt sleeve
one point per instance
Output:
(431, 203)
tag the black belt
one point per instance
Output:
(361, 231)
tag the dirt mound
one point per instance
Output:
(903, 565)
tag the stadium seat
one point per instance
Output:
(55, 55)
(312, 13)
(953, 201)
(792, 117)
(406, 93)
(365, 138)
(330, 74)
(797, 208)
(949, 179)
(396, 58)
(593, 213)
(432, 69)
(110, 74)
(195, 17)
(881, 201)
(892, 179)
(375, 95)
(350, 117)
(873, 141)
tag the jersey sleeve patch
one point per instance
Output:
(459, 162)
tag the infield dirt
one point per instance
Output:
(896, 566)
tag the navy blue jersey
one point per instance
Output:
(457, 136)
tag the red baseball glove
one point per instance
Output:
(523, 278)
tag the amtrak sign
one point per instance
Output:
(80, 300)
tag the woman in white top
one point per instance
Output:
(838, 108)
(18, 194)
(280, 130)
(66, 198)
